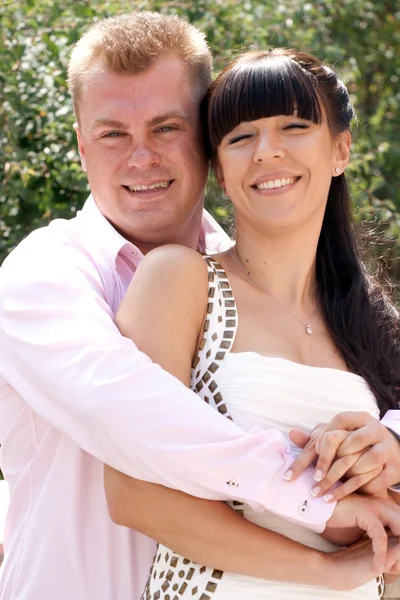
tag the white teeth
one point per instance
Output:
(276, 183)
(153, 186)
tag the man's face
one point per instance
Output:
(140, 142)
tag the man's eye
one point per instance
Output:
(113, 134)
(166, 128)
(238, 138)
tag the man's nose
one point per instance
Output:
(142, 156)
(269, 146)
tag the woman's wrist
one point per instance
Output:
(342, 536)
(307, 567)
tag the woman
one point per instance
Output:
(277, 332)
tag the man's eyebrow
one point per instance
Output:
(109, 123)
(172, 114)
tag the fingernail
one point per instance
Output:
(288, 475)
(328, 497)
(318, 475)
(315, 491)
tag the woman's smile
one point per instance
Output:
(275, 185)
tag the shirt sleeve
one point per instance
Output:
(391, 420)
(61, 351)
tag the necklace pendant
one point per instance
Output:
(308, 329)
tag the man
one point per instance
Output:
(75, 393)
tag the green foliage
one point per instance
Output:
(42, 177)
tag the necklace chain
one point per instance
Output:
(306, 325)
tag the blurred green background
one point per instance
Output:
(40, 173)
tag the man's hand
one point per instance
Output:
(353, 446)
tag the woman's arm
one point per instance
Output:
(164, 308)
(163, 313)
(211, 534)
(208, 532)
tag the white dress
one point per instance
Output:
(272, 393)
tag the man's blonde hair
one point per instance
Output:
(131, 43)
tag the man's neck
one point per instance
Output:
(189, 236)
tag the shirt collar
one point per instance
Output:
(213, 239)
(110, 242)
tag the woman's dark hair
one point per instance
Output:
(363, 323)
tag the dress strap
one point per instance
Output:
(219, 331)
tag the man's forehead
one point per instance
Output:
(163, 69)
(158, 96)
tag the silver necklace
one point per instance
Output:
(307, 325)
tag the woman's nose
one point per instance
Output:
(269, 147)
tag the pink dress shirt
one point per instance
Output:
(75, 394)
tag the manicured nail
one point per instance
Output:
(315, 491)
(289, 475)
(328, 497)
(318, 475)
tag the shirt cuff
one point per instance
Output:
(293, 501)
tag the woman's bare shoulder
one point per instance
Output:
(169, 281)
(174, 265)
(164, 307)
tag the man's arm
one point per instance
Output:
(61, 351)
(391, 420)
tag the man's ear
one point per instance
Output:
(81, 148)
(341, 155)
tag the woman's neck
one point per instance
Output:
(284, 265)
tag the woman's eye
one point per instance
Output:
(238, 138)
(297, 126)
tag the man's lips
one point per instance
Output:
(149, 187)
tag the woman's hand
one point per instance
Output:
(373, 516)
(354, 446)
(370, 556)
(353, 566)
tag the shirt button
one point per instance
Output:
(233, 483)
(303, 508)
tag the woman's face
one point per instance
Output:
(277, 170)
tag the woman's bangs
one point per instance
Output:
(263, 88)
